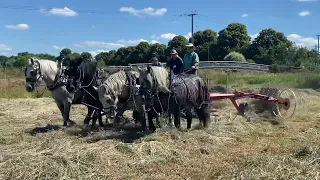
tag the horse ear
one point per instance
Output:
(31, 61)
(149, 69)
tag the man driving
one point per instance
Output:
(191, 60)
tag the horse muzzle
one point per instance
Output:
(30, 88)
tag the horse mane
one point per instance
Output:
(88, 71)
(161, 76)
(115, 82)
(49, 67)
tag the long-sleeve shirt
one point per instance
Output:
(189, 60)
(176, 65)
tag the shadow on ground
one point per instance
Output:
(45, 129)
(126, 132)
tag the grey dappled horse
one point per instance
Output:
(183, 93)
(118, 92)
(49, 72)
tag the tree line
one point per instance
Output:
(270, 47)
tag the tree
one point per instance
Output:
(264, 45)
(204, 37)
(233, 38)
(203, 40)
(233, 43)
(157, 50)
(178, 43)
(235, 56)
(139, 53)
(3, 61)
(86, 56)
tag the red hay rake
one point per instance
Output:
(280, 102)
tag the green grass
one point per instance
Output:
(291, 80)
(12, 83)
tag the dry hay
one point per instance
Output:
(227, 149)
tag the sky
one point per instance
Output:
(95, 26)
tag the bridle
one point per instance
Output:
(36, 70)
(149, 95)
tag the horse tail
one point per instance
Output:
(206, 91)
(203, 91)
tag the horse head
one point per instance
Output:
(32, 74)
(146, 81)
(152, 80)
(37, 69)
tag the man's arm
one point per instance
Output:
(195, 61)
(181, 65)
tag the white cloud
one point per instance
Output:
(303, 41)
(244, 15)
(144, 12)
(131, 42)
(18, 27)
(304, 13)
(59, 48)
(94, 53)
(189, 35)
(4, 54)
(154, 42)
(169, 36)
(100, 44)
(4, 47)
(60, 12)
(253, 36)
(307, 0)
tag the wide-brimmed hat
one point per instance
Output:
(190, 45)
(174, 52)
(154, 59)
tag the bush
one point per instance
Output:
(235, 56)
(250, 61)
(274, 68)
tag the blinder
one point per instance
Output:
(33, 73)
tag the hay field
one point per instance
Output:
(236, 148)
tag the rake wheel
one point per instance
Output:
(288, 104)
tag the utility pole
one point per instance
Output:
(318, 43)
(315, 55)
(192, 14)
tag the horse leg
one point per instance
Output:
(189, 118)
(61, 108)
(135, 116)
(177, 116)
(87, 118)
(94, 119)
(204, 115)
(99, 118)
(66, 114)
(158, 120)
(151, 115)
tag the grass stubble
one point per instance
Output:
(231, 148)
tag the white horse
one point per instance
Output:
(49, 72)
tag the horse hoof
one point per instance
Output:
(71, 122)
(86, 127)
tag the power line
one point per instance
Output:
(34, 8)
(192, 14)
